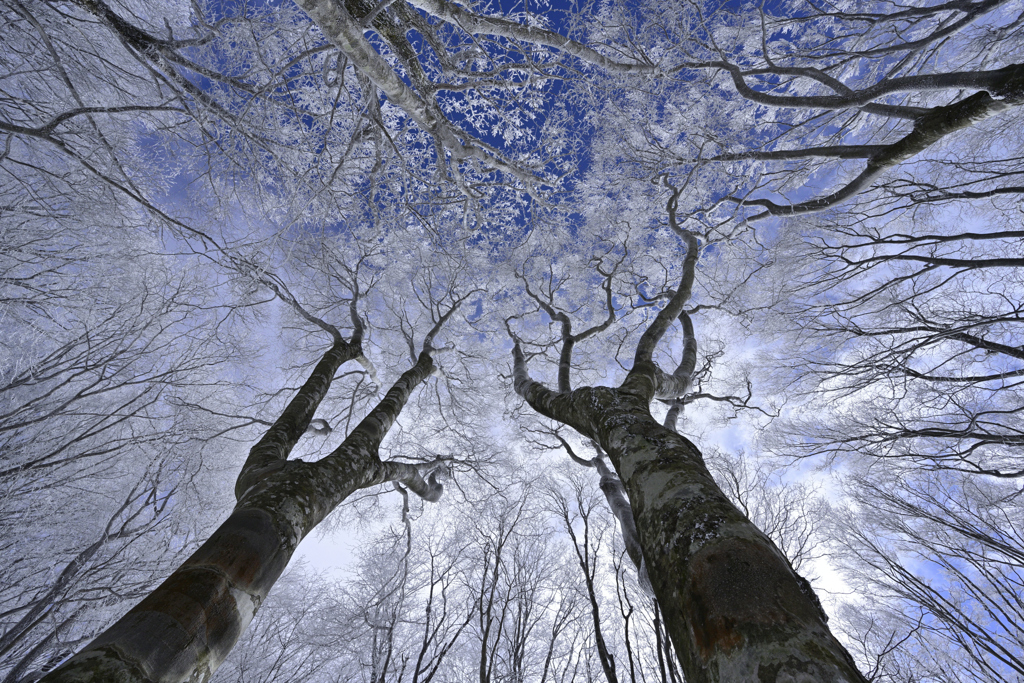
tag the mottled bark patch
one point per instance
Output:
(743, 593)
(794, 670)
(102, 664)
(241, 548)
(191, 619)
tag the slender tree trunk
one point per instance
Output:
(185, 628)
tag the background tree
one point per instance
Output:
(98, 354)
(937, 560)
(910, 375)
(290, 639)
(920, 325)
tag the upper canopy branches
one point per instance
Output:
(802, 108)
(480, 85)
(917, 335)
(810, 107)
(551, 295)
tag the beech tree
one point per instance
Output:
(850, 183)
(208, 601)
(887, 141)
(733, 604)
(98, 354)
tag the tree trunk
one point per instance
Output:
(185, 628)
(733, 605)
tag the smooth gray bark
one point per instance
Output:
(185, 628)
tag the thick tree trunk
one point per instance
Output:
(185, 628)
(733, 605)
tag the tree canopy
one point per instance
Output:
(614, 341)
